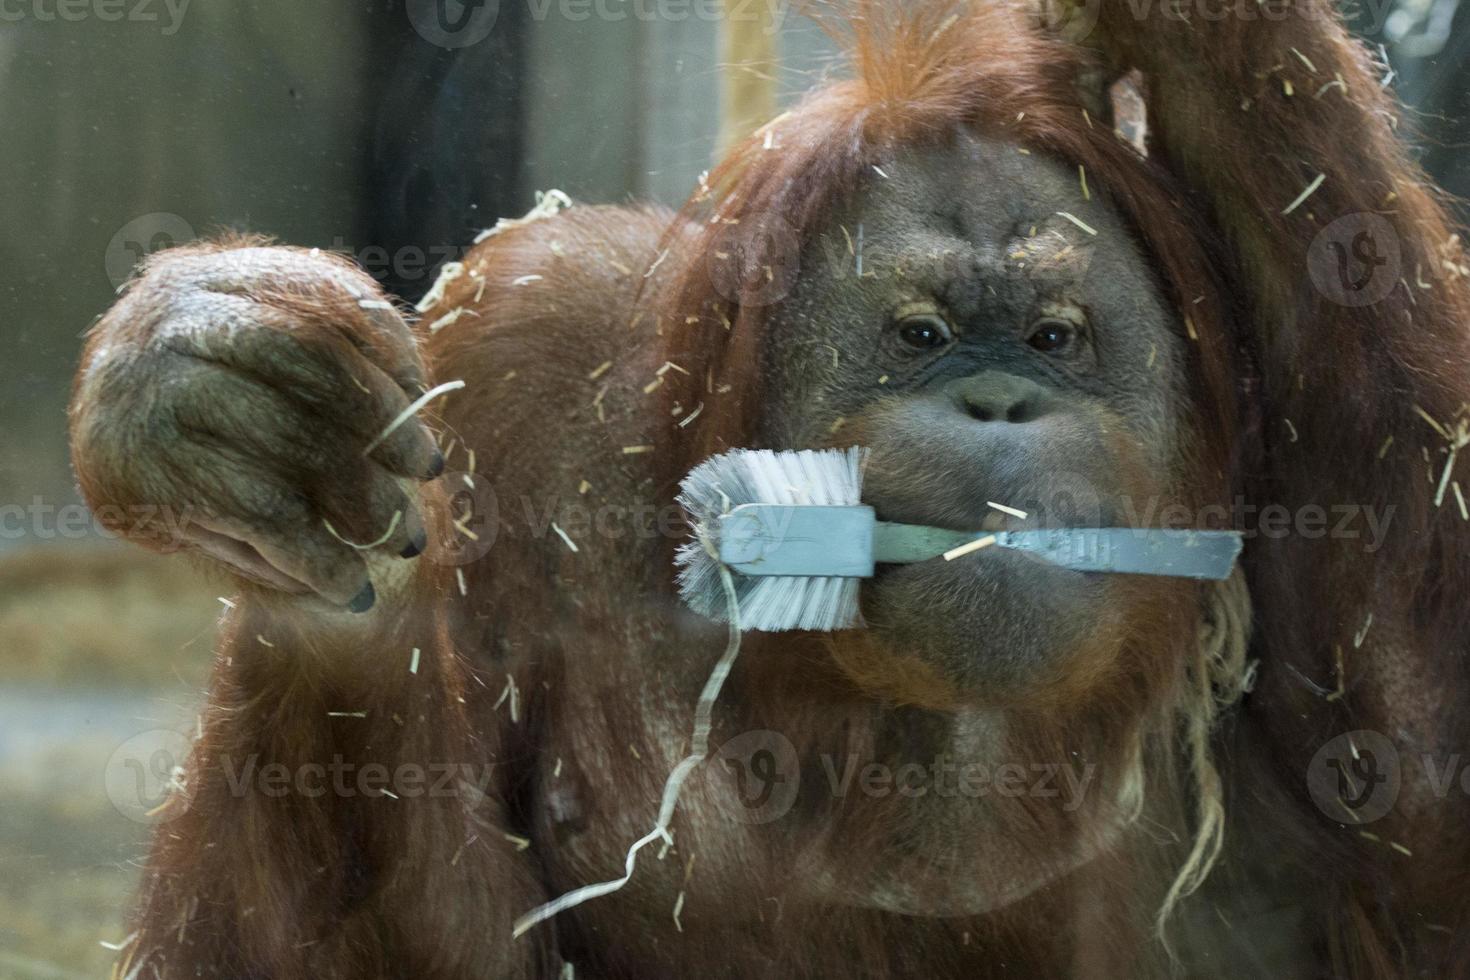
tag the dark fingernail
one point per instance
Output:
(416, 547)
(437, 466)
(364, 600)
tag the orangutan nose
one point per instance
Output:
(997, 397)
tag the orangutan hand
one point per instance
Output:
(231, 402)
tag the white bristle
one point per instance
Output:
(825, 477)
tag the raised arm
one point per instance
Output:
(1353, 331)
(339, 815)
(1285, 123)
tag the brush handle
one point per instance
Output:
(800, 541)
(848, 542)
(903, 544)
(1180, 553)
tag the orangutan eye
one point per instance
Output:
(924, 331)
(1053, 336)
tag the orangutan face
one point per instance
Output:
(993, 332)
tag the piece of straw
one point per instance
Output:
(699, 750)
(1308, 192)
(968, 547)
(1078, 222)
(392, 526)
(566, 539)
(412, 410)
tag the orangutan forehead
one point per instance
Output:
(991, 196)
(980, 214)
(961, 257)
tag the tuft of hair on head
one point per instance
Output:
(808, 477)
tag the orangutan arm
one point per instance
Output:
(1351, 304)
(1281, 120)
(340, 814)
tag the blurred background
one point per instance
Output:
(390, 130)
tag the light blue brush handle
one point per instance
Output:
(848, 542)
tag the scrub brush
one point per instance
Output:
(792, 528)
